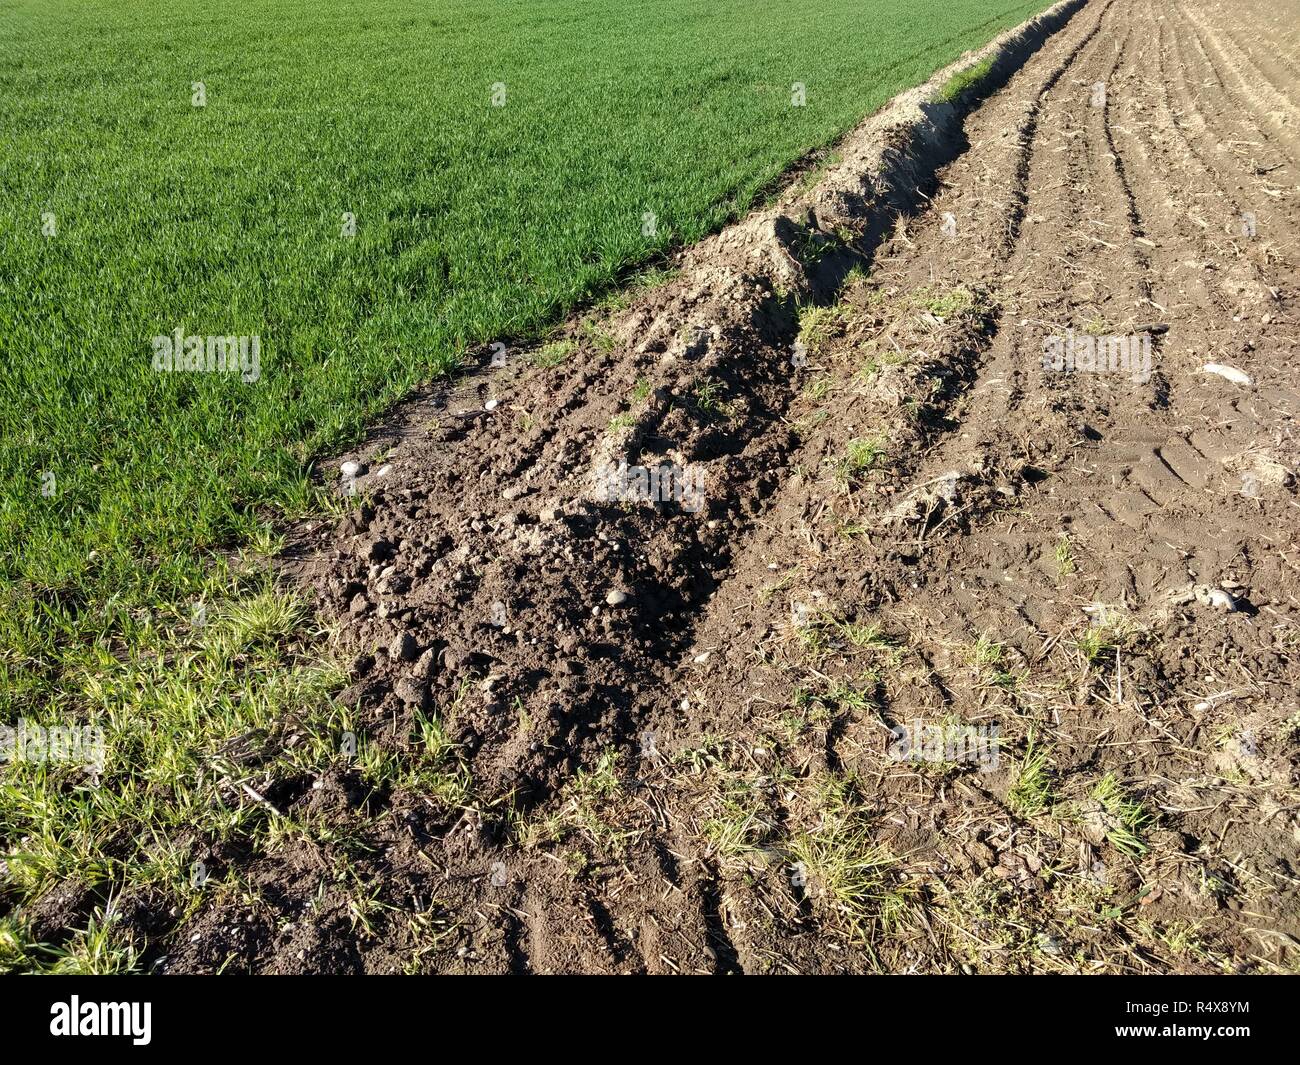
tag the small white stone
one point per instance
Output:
(1221, 599)
(350, 468)
(1230, 373)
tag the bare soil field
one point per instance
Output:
(674, 732)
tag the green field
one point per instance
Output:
(127, 212)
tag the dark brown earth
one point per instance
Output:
(905, 518)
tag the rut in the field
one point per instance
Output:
(676, 718)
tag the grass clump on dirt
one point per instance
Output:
(861, 454)
(954, 302)
(552, 354)
(1030, 793)
(95, 950)
(1064, 556)
(839, 866)
(707, 398)
(589, 819)
(736, 817)
(963, 81)
(988, 656)
(1109, 631)
(1125, 818)
(818, 324)
(874, 361)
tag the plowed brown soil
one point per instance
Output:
(677, 722)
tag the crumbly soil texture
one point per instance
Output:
(965, 648)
